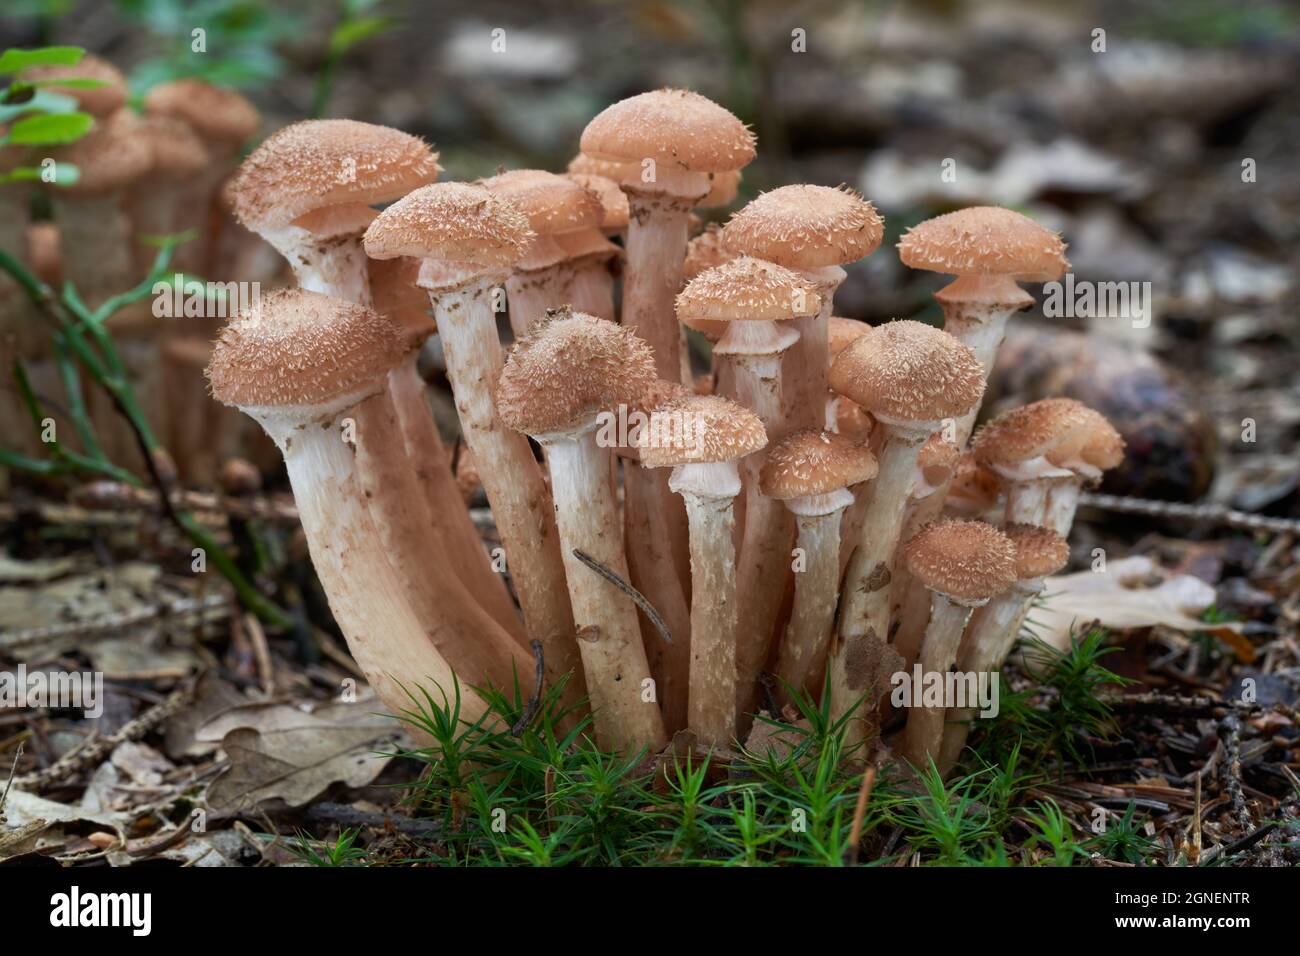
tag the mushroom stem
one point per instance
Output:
(708, 490)
(910, 602)
(530, 293)
(656, 251)
(983, 650)
(1062, 503)
(1027, 501)
(808, 360)
(511, 476)
(452, 524)
(383, 633)
(478, 649)
(613, 656)
(592, 290)
(334, 266)
(923, 732)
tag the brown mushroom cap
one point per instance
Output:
(907, 371)
(812, 462)
(614, 209)
(1039, 551)
(586, 244)
(965, 560)
(456, 221)
(587, 166)
(844, 332)
(985, 240)
(318, 163)
(567, 369)
(705, 251)
(676, 128)
(299, 348)
(722, 190)
(745, 289)
(111, 156)
(174, 148)
(716, 430)
(1030, 431)
(552, 203)
(216, 113)
(1098, 444)
(98, 101)
(806, 227)
(937, 458)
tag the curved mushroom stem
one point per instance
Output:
(807, 363)
(982, 651)
(466, 555)
(708, 490)
(610, 638)
(383, 633)
(801, 656)
(864, 604)
(1062, 503)
(656, 251)
(511, 476)
(483, 652)
(923, 732)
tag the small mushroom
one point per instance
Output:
(1094, 450)
(963, 564)
(1017, 446)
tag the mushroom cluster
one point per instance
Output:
(680, 550)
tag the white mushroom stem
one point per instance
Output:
(1063, 502)
(989, 637)
(334, 266)
(1027, 484)
(864, 604)
(383, 633)
(923, 733)
(709, 490)
(483, 652)
(808, 362)
(909, 599)
(531, 292)
(511, 476)
(652, 514)
(465, 556)
(613, 657)
(656, 250)
(801, 658)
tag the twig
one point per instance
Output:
(860, 813)
(1205, 514)
(119, 496)
(211, 604)
(534, 701)
(646, 607)
(13, 771)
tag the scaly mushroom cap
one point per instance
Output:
(299, 348)
(844, 332)
(806, 227)
(965, 560)
(907, 371)
(175, 150)
(745, 289)
(812, 462)
(318, 163)
(1039, 551)
(567, 369)
(985, 240)
(1030, 431)
(675, 128)
(722, 190)
(394, 293)
(1098, 444)
(214, 112)
(614, 209)
(98, 101)
(937, 458)
(705, 251)
(587, 166)
(455, 221)
(552, 203)
(700, 429)
(111, 156)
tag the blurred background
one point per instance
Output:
(1160, 138)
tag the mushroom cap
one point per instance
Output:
(98, 101)
(176, 150)
(457, 221)
(582, 164)
(111, 156)
(813, 462)
(1030, 431)
(806, 227)
(317, 163)
(299, 348)
(394, 293)
(552, 203)
(937, 458)
(844, 332)
(1039, 551)
(215, 112)
(746, 289)
(1099, 445)
(705, 251)
(985, 240)
(908, 371)
(965, 560)
(715, 429)
(585, 244)
(614, 209)
(722, 190)
(567, 369)
(678, 128)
